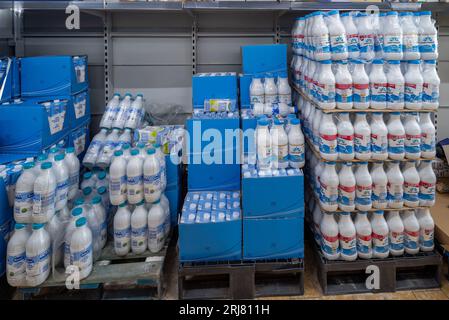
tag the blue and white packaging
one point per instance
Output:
(215, 86)
(9, 79)
(79, 139)
(258, 59)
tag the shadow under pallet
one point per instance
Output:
(134, 276)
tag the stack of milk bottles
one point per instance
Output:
(368, 89)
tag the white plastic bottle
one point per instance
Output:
(380, 182)
(317, 216)
(352, 36)
(431, 86)
(411, 184)
(412, 143)
(427, 184)
(362, 137)
(102, 180)
(110, 112)
(81, 254)
(139, 229)
(256, 90)
(396, 137)
(161, 156)
(122, 230)
(44, 195)
(166, 207)
(411, 232)
(263, 143)
(94, 149)
(320, 36)
(345, 137)
(296, 145)
(284, 90)
(360, 83)
(395, 88)
(73, 164)
(395, 186)
(55, 228)
(379, 137)
(347, 235)
(136, 113)
(329, 187)
(346, 188)
(343, 87)
(366, 36)
(317, 117)
(396, 233)
(380, 235)
(16, 256)
(298, 35)
(410, 43)
(428, 150)
(328, 138)
(101, 215)
(426, 230)
(317, 174)
(156, 227)
(124, 138)
(88, 180)
(38, 256)
(23, 200)
(117, 179)
(363, 231)
(151, 178)
(279, 142)
(270, 89)
(337, 36)
(428, 36)
(134, 178)
(62, 182)
(413, 89)
(326, 86)
(329, 237)
(392, 45)
(110, 143)
(364, 187)
(123, 112)
(378, 84)
(77, 213)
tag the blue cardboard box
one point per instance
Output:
(268, 58)
(5, 232)
(9, 79)
(249, 135)
(213, 164)
(6, 212)
(173, 170)
(244, 84)
(53, 75)
(273, 238)
(79, 139)
(219, 241)
(205, 86)
(173, 194)
(273, 197)
(28, 128)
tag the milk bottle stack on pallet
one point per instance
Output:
(370, 173)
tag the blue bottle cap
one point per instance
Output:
(46, 165)
(80, 222)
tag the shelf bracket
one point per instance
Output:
(108, 75)
(19, 45)
(194, 43)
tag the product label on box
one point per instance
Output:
(80, 105)
(56, 117)
(79, 144)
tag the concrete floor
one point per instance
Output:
(312, 289)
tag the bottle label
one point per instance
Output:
(346, 195)
(362, 143)
(327, 92)
(392, 43)
(380, 242)
(379, 143)
(139, 237)
(38, 264)
(379, 195)
(364, 244)
(61, 190)
(16, 265)
(117, 186)
(411, 239)
(431, 93)
(122, 238)
(343, 92)
(264, 155)
(395, 92)
(413, 92)
(396, 240)
(296, 152)
(348, 245)
(322, 44)
(345, 144)
(411, 191)
(410, 43)
(427, 43)
(82, 258)
(426, 191)
(361, 92)
(395, 192)
(280, 153)
(378, 92)
(427, 141)
(285, 98)
(426, 238)
(156, 234)
(412, 143)
(328, 194)
(338, 44)
(257, 99)
(328, 143)
(23, 204)
(366, 43)
(363, 195)
(134, 185)
(329, 244)
(74, 180)
(43, 202)
(396, 143)
(353, 42)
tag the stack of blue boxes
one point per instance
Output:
(273, 206)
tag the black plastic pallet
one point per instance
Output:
(408, 272)
(241, 280)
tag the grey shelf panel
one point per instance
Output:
(51, 5)
(312, 6)
(238, 5)
(144, 6)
